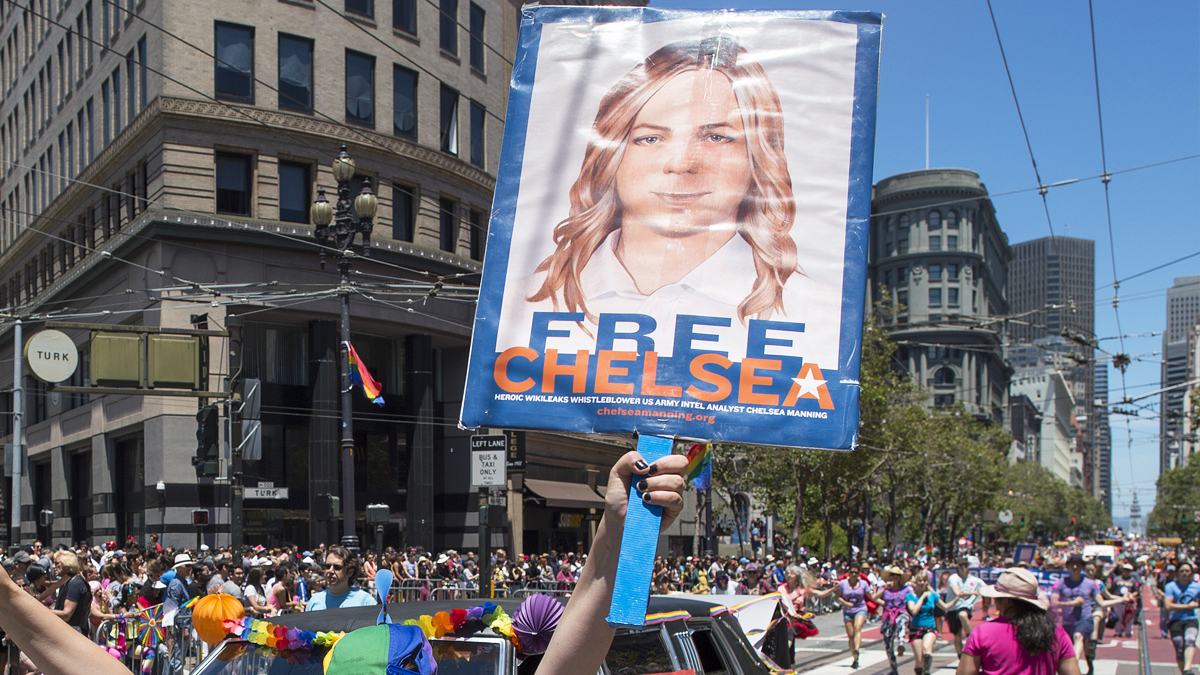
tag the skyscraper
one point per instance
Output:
(1183, 312)
(1103, 433)
(1051, 291)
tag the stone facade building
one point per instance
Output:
(937, 250)
(158, 163)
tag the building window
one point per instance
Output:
(902, 276)
(952, 297)
(449, 120)
(141, 49)
(233, 183)
(951, 242)
(943, 400)
(360, 88)
(935, 242)
(902, 243)
(404, 102)
(952, 272)
(448, 26)
(887, 249)
(935, 297)
(952, 220)
(105, 122)
(361, 7)
(448, 210)
(295, 192)
(404, 16)
(131, 77)
(477, 21)
(478, 233)
(404, 213)
(902, 299)
(935, 220)
(935, 272)
(295, 73)
(235, 62)
(943, 376)
(477, 138)
(116, 101)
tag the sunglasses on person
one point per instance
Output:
(335, 567)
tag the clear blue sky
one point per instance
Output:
(1149, 63)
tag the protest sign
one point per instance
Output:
(678, 242)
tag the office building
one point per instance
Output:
(1183, 313)
(159, 162)
(1103, 434)
(939, 255)
(1049, 392)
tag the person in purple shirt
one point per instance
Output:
(1075, 595)
(893, 599)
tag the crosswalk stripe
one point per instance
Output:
(842, 666)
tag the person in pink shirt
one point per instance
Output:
(1023, 640)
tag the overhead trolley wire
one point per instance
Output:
(1042, 188)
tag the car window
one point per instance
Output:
(457, 657)
(712, 661)
(640, 653)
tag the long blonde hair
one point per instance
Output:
(765, 216)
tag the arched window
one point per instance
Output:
(943, 376)
(952, 220)
(935, 220)
(903, 221)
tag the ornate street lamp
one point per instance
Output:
(337, 229)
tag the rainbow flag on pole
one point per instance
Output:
(362, 377)
(699, 468)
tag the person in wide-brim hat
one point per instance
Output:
(1019, 584)
(894, 571)
(181, 560)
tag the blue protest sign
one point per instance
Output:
(678, 243)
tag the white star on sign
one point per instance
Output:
(809, 385)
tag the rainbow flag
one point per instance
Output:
(699, 468)
(362, 377)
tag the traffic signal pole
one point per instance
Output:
(234, 325)
(18, 413)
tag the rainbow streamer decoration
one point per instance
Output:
(446, 623)
(266, 634)
(362, 377)
(677, 615)
(699, 468)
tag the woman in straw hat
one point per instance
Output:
(1023, 639)
(893, 599)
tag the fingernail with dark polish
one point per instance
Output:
(646, 498)
(643, 486)
(640, 465)
(653, 469)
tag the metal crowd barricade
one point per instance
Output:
(411, 590)
(558, 588)
(454, 593)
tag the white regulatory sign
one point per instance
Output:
(266, 493)
(1006, 517)
(51, 356)
(488, 468)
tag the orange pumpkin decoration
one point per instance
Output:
(210, 613)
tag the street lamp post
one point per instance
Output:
(340, 236)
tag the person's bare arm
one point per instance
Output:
(50, 643)
(822, 593)
(970, 664)
(583, 635)
(65, 612)
(1171, 606)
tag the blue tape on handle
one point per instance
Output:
(635, 567)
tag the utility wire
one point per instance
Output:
(473, 37)
(1152, 269)
(1042, 188)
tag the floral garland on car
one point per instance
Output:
(442, 624)
(265, 634)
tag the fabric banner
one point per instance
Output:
(678, 243)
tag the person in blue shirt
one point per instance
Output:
(922, 630)
(341, 569)
(1180, 601)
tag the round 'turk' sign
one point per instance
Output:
(52, 356)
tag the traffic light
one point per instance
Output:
(1183, 514)
(208, 454)
(1022, 521)
(200, 517)
(327, 507)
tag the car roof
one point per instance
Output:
(346, 619)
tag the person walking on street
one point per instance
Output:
(921, 602)
(852, 595)
(964, 590)
(1023, 640)
(1180, 600)
(893, 599)
(1075, 595)
(1126, 585)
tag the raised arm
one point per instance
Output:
(50, 643)
(583, 636)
